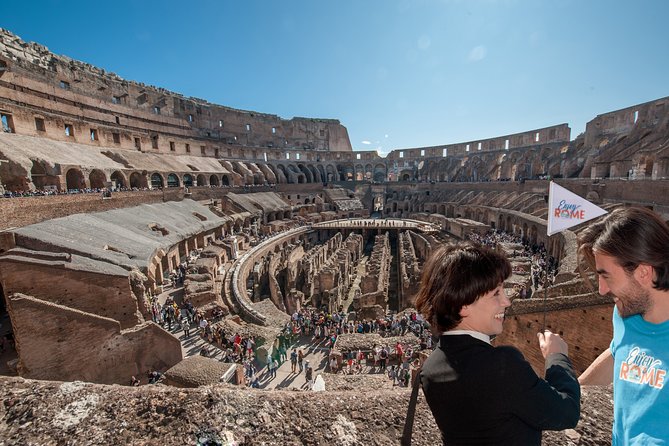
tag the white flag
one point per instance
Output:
(566, 209)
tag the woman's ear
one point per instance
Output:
(465, 311)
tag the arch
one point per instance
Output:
(369, 172)
(258, 178)
(501, 222)
(524, 234)
(157, 181)
(533, 235)
(187, 180)
(138, 181)
(97, 178)
(41, 176)
(225, 180)
(379, 173)
(74, 179)
(118, 178)
(201, 180)
(321, 169)
(173, 180)
(282, 169)
(332, 174)
(648, 167)
(279, 175)
(309, 177)
(213, 181)
(359, 172)
(315, 174)
(270, 176)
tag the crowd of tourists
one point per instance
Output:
(543, 268)
(107, 191)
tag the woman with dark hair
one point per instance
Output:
(480, 394)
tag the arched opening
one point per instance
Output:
(156, 181)
(138, 181)
(649, 168)
(213, 181)
(188, 181)
(225, 180)
(97, 179)
(201, 180)
(74, 180)
(118, 180)
(173, 180)
(41, 178)
(315, 174)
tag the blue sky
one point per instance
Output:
(396, 73)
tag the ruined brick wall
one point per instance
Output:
(325, 270)
(409, 276)
(313, 261)
(276, 294)
(334, 276)
(622, 121)
(103, 294)
(374, 287)
(587, 330)
(18, 212)
(560, 133)
(59, 343)
(36, 84)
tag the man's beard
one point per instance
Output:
(632, 300)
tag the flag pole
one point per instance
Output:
(565, 209)
(543, 327)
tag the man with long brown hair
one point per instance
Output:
(629, 251)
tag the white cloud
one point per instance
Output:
(386, 135)
(366, 142)
(477, 53)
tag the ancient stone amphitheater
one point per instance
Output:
(109, 185)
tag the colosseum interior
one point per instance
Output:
(112, 186)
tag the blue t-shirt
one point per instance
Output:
(640, 383)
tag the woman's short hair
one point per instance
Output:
(455, 276)
(632, 236)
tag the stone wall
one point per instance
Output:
(46, 335)
(373, 302)
(539, 137)
(18, 212)
(409, 276)
(104, 294)
(37, 84)
(587, 329)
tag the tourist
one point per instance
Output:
(480, 394)
(186, 326)
(293, 361)
(300, 359)
(629, 251)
